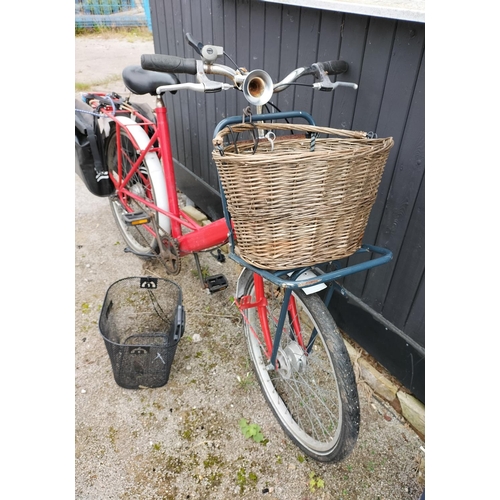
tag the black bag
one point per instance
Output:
(90, 164)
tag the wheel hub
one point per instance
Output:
(291, 359)
(138, 189)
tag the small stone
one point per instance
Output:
(83, 391)
(196, 337)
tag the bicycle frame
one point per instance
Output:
(200, 237)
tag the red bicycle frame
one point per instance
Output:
(199, 237)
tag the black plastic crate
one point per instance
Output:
(141, 322)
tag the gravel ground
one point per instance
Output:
(182, 441)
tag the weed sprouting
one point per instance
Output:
(252, 431)
(315, 482)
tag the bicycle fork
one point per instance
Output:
(288, 309)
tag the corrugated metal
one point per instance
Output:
(386, 59)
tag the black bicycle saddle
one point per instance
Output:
(141, 81)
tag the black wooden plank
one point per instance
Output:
(406, 180)
(217, 102)
(212, 18)
(178, 103)
(201, 30)
(213, 33)
(272, 35)
(372, 79)
(161, 16)
(409, 267)
(290, 20)
(415, 322)
(404, 67)
(157, 22)
(192, 142)
(307, 54)
(352, 46)
(373, 73)
(351, 50)
(174, 110)
(398, 93)
(257, 38)
(329, 40)
(230, 45)
(243, 33)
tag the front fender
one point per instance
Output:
(245, 276)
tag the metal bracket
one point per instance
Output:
(210, 53)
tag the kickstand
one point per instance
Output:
(214, 283)
(198, 266)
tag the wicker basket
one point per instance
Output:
(299, 200)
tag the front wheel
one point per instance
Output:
(313, 391)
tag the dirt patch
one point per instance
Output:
(183, 441)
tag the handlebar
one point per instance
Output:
(168, 64)
(335, 67)
(256, 85)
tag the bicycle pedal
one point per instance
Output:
(136, 218)
(216, 283)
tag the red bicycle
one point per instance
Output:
(297, 351)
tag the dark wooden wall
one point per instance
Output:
(387, 60)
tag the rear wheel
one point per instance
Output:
(138, 238)
(312, 394)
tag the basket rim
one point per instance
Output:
(228, 156)
(164, 280)
(242, 127)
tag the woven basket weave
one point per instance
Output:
(295, 207)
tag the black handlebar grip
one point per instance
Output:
(168, 64)
(335, 67)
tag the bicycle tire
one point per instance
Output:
(148, 182)
(313, 397)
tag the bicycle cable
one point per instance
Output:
(229, 57)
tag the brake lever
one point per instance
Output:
(325, 83)
(197, 46)
(209, 53)
(209, 86)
